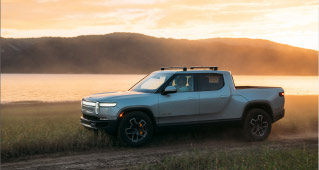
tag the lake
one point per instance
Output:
(73, 87)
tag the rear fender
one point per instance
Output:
(260, 105)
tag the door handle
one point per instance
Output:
(223, 96)
(191, 98)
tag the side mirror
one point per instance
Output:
(169, 89)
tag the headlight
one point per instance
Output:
(107, 104)
(88, 103)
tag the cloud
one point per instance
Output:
(192, 19)
(46, 1)
(126, 2)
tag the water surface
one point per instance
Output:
(73, 87)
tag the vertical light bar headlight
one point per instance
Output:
(108, 104)
(97, 108)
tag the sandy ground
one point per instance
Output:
(126, 158)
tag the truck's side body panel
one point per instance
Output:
(238, 99)
(214, 103)
(226, 103)
(178, 107)
(268, 96)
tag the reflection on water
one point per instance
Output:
(293, 85)
(72, 87)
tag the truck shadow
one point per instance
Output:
(196, 134)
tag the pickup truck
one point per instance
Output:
(187, 96)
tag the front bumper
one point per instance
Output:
(93, 123)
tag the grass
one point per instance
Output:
(45, 128)
(41, 128)
(253, 158)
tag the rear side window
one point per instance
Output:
(210, 82)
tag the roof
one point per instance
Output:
(193, 71)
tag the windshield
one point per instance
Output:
(151, 82)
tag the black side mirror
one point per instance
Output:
(169, 89)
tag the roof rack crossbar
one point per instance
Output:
(166, 68)
(201, 67)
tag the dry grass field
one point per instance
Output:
(265, 157)
(43, 128)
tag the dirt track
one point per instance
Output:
(125, 158)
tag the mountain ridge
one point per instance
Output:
(137, 53)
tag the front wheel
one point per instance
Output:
(257, 125)
(135, 129)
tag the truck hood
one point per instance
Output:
(113, 96)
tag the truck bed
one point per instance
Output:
(254, 87)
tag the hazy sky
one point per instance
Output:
(293, 22)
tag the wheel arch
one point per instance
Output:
(258, 105)
(145, 110)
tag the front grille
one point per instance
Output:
(90, 117)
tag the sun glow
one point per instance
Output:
(289, 21)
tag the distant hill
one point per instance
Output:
(137, 53)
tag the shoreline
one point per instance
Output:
(39, 102)
(36, 102)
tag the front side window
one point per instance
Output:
(183, 83)
(210, 82)
(151, 83)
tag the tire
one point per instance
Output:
(135, 129)
(257, 125)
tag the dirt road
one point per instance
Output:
(126, 158)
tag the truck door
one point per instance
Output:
(213, 95)
(182, 106)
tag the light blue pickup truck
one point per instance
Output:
(177, 96)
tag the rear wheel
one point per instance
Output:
(257, 125)
(135, 129)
